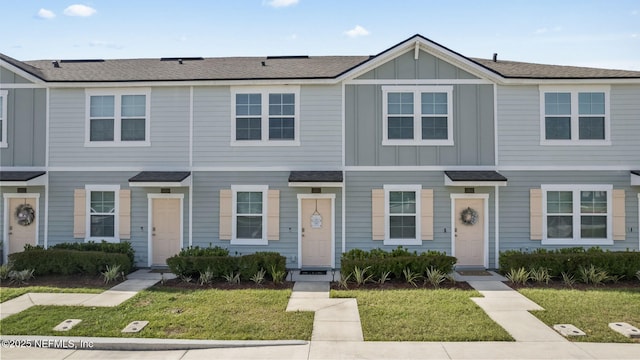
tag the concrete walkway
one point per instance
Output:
(136, 281)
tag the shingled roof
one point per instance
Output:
(522, 70)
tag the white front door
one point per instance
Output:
(166, 230)
(22, 227)
(469, 231)
(316, 232)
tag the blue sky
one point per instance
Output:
(602, 33)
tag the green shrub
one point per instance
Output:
(123, 247)
(570, 260)
(220, 266)
(518, 276)
(66, 262)
(210, 251)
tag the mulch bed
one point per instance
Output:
(628, 284)
(398, 284)
(222, 285)
(66, 281)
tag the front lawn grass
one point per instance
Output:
(8, 293)
(180, 314)
(423, 315)
(591, 311)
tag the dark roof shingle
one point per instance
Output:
(160, 176)
(20, 175)
(315, 176)
(475, 176)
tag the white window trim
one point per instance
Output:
(387, 236)
(265, 206)
(4, 95)
(575, 138)
(417, 115)
(117, 118)
(576, 189)
(116, 213)
(264, 91)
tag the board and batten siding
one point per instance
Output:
(9, 77)
(358, 212)
(514, 205)
(206, 211)
(320, 131)
(519, 131)
(473, 134)
(26, 128)
(169, 134)
(61, 207)
(426, 67)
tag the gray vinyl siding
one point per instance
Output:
(61, 199)
(320, 131)
(514, 205)
(358, 209)
(519, 131)
(426, 67)
(473, 130)
(206, 212)
(9, 77)
(26, 128)
(6, 212)
(169, 132)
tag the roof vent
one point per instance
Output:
(495, 57)
(181, 59)
(55, 63)
(264, 63)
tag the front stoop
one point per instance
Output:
(334, 320)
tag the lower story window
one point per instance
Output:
(577, 214)
(249, 215)
(402, 214)
(102, 214)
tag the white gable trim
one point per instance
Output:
(20, 72)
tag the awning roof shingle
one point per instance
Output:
(20, 175)
(315, 176)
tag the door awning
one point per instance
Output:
(161, 179)
(22, 178)
(635, 177)
(315, 179)
(474, 178)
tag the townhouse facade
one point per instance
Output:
(418, 146)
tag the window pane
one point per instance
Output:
(557, 128)
(402, 227)
(434, 103)
(434, 128)
(591, 103)
(593, 227)
(103, 202)
(249, 203)
(101, 106)
(281, 104)
(593, 202)
(249, 227)
(400, 103)
(281, 128)
(402, 202)
(133, 105)
(559, 202)
(248, 129)
(101, 130)
(103, 225)
(557, 103)
(248, 104)
(559, 227)
(133, 130)
(591, 128)
(400, 128)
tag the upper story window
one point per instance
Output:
(3, 118)
(577, 214)
(118, 117)
(575, 116)
(265, 116)
(417, 115)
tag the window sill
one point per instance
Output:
(402, 242)
(249, 242)
(577, 242)
(4, 145)
(101, 239)
(575, 142)
(417, 143)
(271, 143)
(121, 144)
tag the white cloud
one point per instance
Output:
(281, 3)
(292, 37)
(635, 12)
(79, 10)
(46, 14)
(357, 32)
(105, 44)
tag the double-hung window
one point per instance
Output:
(265, 116)
(575, 116)
(577, 214)
(3, 118)
(402, 214)
(417, 115)
(118, 117)
(249, 214)
(102, 212)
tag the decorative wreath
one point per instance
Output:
(469, 216)
(25, 214)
